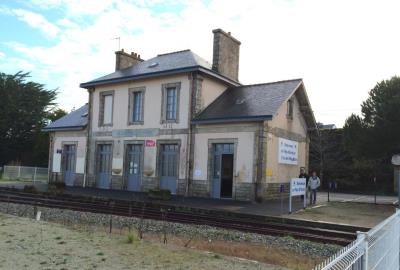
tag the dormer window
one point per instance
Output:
(289, 113)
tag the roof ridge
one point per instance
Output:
(282, 81)
(162, 54)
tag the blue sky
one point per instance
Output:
(340, 48)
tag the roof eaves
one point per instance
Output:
(161, 73)
(232, 119)
(137, 77)
(71, 128)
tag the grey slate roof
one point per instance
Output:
(170, 63)
(248, 102)
(75, 120)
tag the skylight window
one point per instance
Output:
(153, 65)
(240, 101)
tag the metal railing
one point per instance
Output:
(24, 173)
(377, 249)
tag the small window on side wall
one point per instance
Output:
(289, 113)
(106, 108)
(170, 103)
(136, 102)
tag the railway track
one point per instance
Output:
(337, 234)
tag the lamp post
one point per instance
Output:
(396, 164)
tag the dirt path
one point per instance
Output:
(28, 244)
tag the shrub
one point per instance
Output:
(160, 194)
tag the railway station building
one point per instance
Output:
(178, 122)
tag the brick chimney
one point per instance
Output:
(226, 54)
(125, 60)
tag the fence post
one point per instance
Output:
(363, 236)
(34, 175)
(19, 172)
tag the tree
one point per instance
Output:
(374, 137)
(329, 157)
(25, 107)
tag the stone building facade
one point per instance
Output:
(177, 122)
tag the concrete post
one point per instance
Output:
(34, 175)
(364, 239)
(396, 164)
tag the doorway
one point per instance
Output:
(104, 159)
(134, 166)
(69, 160)
(169, 167)
(222, 186)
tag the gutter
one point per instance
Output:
(231, 119)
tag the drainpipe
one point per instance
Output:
(189, 136)
(51, 153)
(88, 136)
(260, 159)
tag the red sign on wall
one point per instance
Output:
(150, 143)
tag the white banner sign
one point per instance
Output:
(297, 186)
(288, 151)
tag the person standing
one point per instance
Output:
(313, 183)
(303, 174)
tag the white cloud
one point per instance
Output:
(340, 48)
(36, 20)
(2, 55)
(66, 23)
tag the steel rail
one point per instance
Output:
(126, 208)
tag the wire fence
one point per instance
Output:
(377, 249)
(24, 173)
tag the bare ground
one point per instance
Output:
(29, 244)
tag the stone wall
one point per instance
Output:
(272, 191)
(200, 188)
(244, 191)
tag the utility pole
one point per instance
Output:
(119, 42)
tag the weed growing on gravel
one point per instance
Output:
(133, 236)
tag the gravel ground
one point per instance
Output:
(91, 220)
(30, 244)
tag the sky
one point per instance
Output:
(341, 48)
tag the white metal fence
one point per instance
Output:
(24, 173)
(377, 249)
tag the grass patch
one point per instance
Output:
(100, 253)
(132, 237)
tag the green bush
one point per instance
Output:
(160, 194)
(30, 189)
